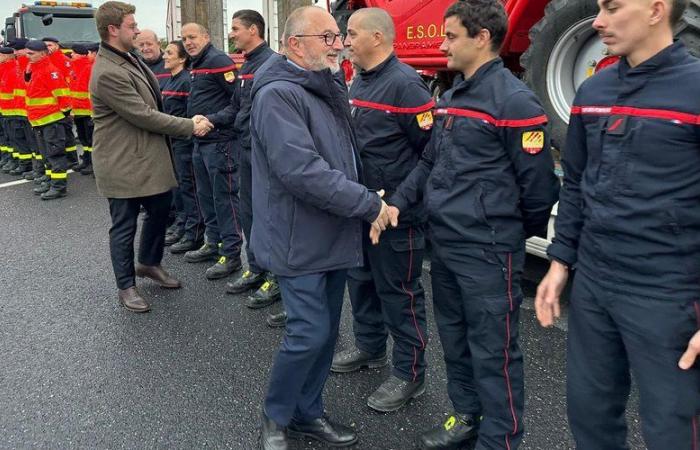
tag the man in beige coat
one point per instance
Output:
(131, 152)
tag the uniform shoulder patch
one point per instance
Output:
(229, 76)
(533, 142)
(425, 120)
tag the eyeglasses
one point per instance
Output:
(328, 38)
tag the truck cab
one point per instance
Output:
(70, 22)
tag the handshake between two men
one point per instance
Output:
(388, 215)
(202, 126)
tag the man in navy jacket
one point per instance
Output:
(309, 206)
(629, 223)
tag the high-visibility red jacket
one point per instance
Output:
(62, 64)
(79, 87)
(48, 96)
(12, 90)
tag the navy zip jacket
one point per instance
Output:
(629, 214)
(175, 92)
(490, 175)
(238, 111)
(212, 77)
(391, 110)
(307, 200)
(159, 70)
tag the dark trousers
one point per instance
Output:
(477, 296)
(51, 140)
(124, 213)
(70, 143)
(192, 221)
(613, 333)
(246, 196)
(20, 129)
(313, 304)
(84, 126)
(216, 172)
(387, 297)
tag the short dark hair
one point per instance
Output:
(678, 7)
(249, 17)
(111, 13)
(181, 52)
(476, 15)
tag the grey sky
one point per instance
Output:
(149, 13)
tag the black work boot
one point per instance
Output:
(11, 165)
(31, 175)
(278, 320)
(354, 359)
(247, 281)
(171, 238)
(53, 193)
(185, 245)
(42, 179)
(267, 294)
(323, 430)
(224, 267)
(207, 252)
(20, 169)
(42, 188)
(395, 393)
(458, 431)
(87, 170)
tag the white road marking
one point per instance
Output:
(18, 182)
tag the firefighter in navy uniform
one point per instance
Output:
(629, 223)
(391, 109)
(48, 103)
(247, 31)
(215, 157)
(487, 180)
(63, 64)
(175, 92)
(151, 53)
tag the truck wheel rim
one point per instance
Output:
(572, 61)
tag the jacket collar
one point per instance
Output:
(256, 51)
(482, 72)
(377, 70)
(133, 65)
(199, 59)
(669, 56)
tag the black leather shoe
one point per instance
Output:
(457, 432)
(267, 294)
(224, 267)
(354, 359)
(43, 187)
(206, 252)
(53, 194)
(247, 281)
(184, 245)
(278, 320)
(323, 430)
(171, 238)
(394, 393)
(272, 436)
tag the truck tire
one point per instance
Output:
(564, 48)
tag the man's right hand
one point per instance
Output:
(388, 215)
(202, 126)
(548, 293)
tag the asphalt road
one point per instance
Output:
(78, 371)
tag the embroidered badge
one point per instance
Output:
(425, 120)
(533, 142)
(229, 77)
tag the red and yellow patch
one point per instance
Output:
(229, 77)
(533, 142)
(425, 120)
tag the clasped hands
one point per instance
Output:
(388, 215)
(202, 126)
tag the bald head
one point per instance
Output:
(194, 37)
(148, 45)
(375, 20)
(311, 39)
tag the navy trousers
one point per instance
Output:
(612, 334)
(477, 296)
(216, 173)
(313, 304)
(247, 206)
(192, 221)
(387, 297)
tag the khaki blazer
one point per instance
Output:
(131, 148)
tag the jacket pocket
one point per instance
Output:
(480, 208)
(410, 264)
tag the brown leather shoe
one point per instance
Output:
(159, 275)
(132, 300)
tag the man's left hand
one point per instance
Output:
(691, 353)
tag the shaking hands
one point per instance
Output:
(388, 215)
(202, 126)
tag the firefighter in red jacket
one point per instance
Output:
(48, 103)
(7, 64)
(64, 66)
(82, 106)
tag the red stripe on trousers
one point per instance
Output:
(412, 298)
